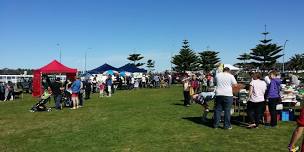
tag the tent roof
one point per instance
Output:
(131, 68)
(56, 67)
(103, 68)
(231, 67)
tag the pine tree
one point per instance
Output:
(150, 65)
(296, 62)
(266, 53)
(186, 60)
(134, 58)
(208, 60)
(244, 58)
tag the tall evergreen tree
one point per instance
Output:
(296, 62)
(244, 58)
(150, 65)
(135, 58)
(208, 60)
(266, 53)
(186, 60)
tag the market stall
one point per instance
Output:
(51, 68)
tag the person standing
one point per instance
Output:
(2, 91)
(294, 80)
(101, 86)
(195, 84)
(57, 88)
(75, 87)
(80, 95)
(143, 81)
(109, 83)
(88, 89)
(224, 97)
(187, 85)
(297, 133)
(94, 84)
(169, 80)
(273, 96)
(256, 104)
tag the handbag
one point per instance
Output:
(191, 91)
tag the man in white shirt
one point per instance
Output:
(224, 97)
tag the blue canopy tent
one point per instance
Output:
(86, 75)
(132, 68)
(103, 68)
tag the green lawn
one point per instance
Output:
(138, 120)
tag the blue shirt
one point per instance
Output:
(109, 82)
(76, 86)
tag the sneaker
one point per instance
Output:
(229, 128)
(293, 149)
(251, 126)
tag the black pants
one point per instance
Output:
(255, 111)
(80, 96)
(87, 94)
(186, 98)
(2, 96)
(272, 104)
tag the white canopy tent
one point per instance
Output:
(231, 67)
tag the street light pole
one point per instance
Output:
(284, 56)
(85, 60)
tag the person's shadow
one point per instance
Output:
(201, 121)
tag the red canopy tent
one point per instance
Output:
(53, 67)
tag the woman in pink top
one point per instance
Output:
(101, 86)
(256, 104)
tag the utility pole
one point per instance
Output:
(284, 56)
(85, 60)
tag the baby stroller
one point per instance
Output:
(41, 105)
(66, 99)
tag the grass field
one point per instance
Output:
(139, 120)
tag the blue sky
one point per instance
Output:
(113, 29)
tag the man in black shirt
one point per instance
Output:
(57, 88)
(88, 89)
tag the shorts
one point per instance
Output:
(74, 94)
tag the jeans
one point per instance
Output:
(222, 103)
(272, 104)
(255, 111)
(57, 99)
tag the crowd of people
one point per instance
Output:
(6, 91)
(263, 95)
(72, 93)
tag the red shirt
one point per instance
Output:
(300, 120)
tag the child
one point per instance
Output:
(186, 84)
(203, 98)
(101, 89)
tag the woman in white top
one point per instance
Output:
(256, 104)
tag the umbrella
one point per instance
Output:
(111, 72)
(125, 73)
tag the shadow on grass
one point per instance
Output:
(198, 120)
(235, 120)
(178, 104)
